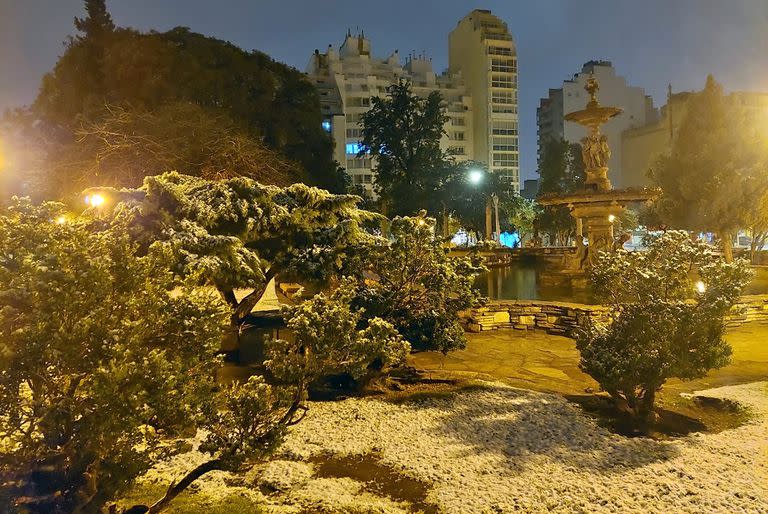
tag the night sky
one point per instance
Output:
(651, 42)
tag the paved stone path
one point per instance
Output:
(549, 363)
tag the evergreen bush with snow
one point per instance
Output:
(669, 304)
(410, 281)
(102, 353)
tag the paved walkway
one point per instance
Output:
(550, 363)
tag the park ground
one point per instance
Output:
(505, 426)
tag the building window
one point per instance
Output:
(457, 136)
(457, 150)
(358, 164)
(458, 122)
(504, 97)
(354, 148)
(354, 132)
(505, 160)
(503, 65)
(505, 81)
(504, 128)
(499, 50)
(506, 109)
(505, 148)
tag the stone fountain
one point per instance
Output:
(598, 205)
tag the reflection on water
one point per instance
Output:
(523, 282)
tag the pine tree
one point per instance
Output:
(98, 22)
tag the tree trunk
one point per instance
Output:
(645, 406)
(177, 488)
(727, 243)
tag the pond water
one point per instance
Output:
(522, 281)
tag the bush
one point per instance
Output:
(411, 282)
(669, 308)
(102, 353)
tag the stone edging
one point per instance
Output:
(564, 318)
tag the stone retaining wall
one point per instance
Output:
(563, 318)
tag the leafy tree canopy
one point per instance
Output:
(715, 174)
(403, 131)
(270, 101)
(561, 171)
(127, 145)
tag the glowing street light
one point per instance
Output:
(611, 218)
(701, 287)
(475, 176)
(61, 220)
(95, 200)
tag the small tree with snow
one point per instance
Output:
(329, 337)
(237, 233)
(410, 280)
(669, 305)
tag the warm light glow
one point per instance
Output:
(611, 218)
(475, 176)
(421, 221)
(94, 200)
(701, 287)
(61, 220)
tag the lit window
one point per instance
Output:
(354, 148)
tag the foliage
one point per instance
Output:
(411, 282)
(715, 174)
(669, 304)
(467, 201)
(125, 145)
(271, 102)
(326, 339)
(522, 215)
(98, 357)
(403, 132)
(561, 171)
(237, 233)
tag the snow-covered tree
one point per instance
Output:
(238, 233)
(410, 281)
(329, 337)
(98, 358)
(669, 304)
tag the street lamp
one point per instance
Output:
(701, 287)
(475, 176)
(95, 200)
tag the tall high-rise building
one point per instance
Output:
(483, 64)
(614, 90)
(481, 48)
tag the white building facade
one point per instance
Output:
(614, 91)
(481, 103)
(482, 50)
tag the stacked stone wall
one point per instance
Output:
(563, 318)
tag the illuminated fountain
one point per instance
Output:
(598, 205)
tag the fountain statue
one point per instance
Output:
(598, 205)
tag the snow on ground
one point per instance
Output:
(499, 449)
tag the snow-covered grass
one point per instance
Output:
(499, 449)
